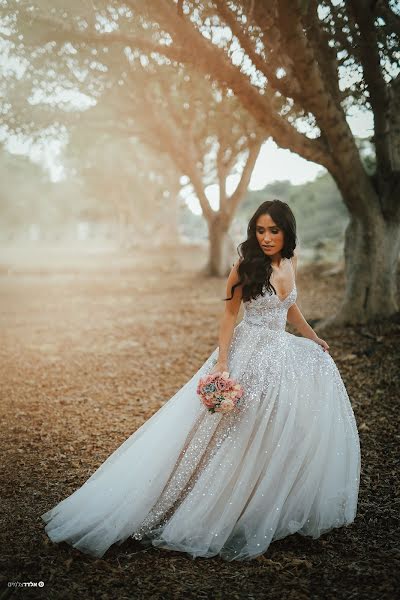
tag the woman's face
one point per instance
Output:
(269, 235)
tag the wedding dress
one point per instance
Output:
(229, 484)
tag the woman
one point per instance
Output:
(229, 484)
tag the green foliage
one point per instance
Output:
(317, 205)
(319, 211)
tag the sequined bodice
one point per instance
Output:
(269, 310)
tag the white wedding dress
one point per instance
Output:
(229, 484)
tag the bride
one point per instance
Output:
(229, 484)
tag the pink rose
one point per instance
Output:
(208, 402)
(221, 384)
(226, 406)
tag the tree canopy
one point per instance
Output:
(301, 69)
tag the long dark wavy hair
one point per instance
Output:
(255, 267)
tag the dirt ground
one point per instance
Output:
(85, 334)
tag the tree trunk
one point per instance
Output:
(372, 246)
(221, 247)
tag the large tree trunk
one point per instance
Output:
(221, 247)
(372, 246)
(372, 240)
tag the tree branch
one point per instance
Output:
(243, 185)
(179, 8)
(203, 55)
(370, 60)
(329, 115)
(57, 30)
(224, 167)
(383, 9)
(327, 55)
(283, 85)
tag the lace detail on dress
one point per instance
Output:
(269, 310)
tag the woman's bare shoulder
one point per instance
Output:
(294, 259)
(237, 263)
(234, 276)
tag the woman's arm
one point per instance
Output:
(228, 320)
(296, 318)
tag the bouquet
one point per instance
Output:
(219, 393)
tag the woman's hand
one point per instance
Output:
(219, 367)
(321, 343)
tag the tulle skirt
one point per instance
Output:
(229, 484)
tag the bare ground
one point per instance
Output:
(85, 335)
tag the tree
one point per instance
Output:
(292, 60)
(52, 89)
(125, 180)
(300, 68)
(192, 127)
(208, 137)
